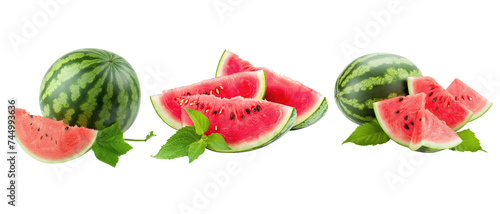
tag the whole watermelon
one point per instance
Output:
(92, 88)
(369, 79)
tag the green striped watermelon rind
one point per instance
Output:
(430, 147)
(285, 126)
(83, 77)
(319, 112)
(366, 113)
(222, 61)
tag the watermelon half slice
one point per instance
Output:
(310, 105)
(245, 124)
(469, 98)
(397, 116)
(431, 134)
(244, 84)
(440, 102)
(51, 141)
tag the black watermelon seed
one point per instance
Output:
(38, 129)
(419, 119)
(215, 112)
(412, 123)
(434, 100)
(31, 124)
(407, 127)
(66, 128)
(232, 116)
(397, 112)
(31, 116)
(406, 117)
(242, 116)
(248, 111)
(258, 107)
(189, 94)
(431, 94)
(202, 106)
(46, 135)
(254, 110)
(205, 93)
(400, 99)
(197, 104)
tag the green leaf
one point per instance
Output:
(178, 144)
(216, 142)
(105, 155)
(200, 121)
(368, 134)
(149, 136)
(469, 142)
(196, 149)
(109, 145)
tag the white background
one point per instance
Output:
(174, 43)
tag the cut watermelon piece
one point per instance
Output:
(397, 116)
(432, 134)
(310, 105)
(51, 141)
(440, 102)
(470, 98)
(244, 84)
(245, 124)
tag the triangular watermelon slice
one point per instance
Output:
(431, 134)
(397, 116)
(440, 102)
(245, 124)
(470, 98)
(310, 105)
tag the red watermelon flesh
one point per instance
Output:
(245, 124)
(51, 141)
(310, 105)
(432, 134)
(470, 98)
(244, 84)
(440, 102)
(397, 116)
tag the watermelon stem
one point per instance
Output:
(149, 136)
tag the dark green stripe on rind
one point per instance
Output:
(315, 117)
(287, 127)
(369, 79)
(94, 72)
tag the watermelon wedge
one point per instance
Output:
(470, 98)
(245, 124)
(310, 105)
(440, 102)
(244, 84)
(431, 134)
(51, 141)
(397, 116)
